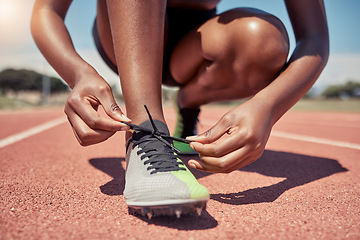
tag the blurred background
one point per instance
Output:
(26, 79)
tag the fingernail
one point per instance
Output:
(126, 119)
(191, 137)
(192, 165)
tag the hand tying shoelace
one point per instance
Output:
(157, 134)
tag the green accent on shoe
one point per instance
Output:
(184, 148)
(197, 191)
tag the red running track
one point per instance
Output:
(305, 186)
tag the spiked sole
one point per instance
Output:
(169, 209)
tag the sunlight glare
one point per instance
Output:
(14, 22)
(253, 25)
(7, 11)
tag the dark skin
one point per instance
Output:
(218, 61)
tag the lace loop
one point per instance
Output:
(158, 148)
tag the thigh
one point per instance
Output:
(179, 22)
(197, 51)
(102, 35)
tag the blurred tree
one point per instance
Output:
(22, 79)
(347, 90)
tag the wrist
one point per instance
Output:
(267, 107)
(82, 72)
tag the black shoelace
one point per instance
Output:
(161, 158)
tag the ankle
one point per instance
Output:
(137, 120)
(155, 124)
(140, 113)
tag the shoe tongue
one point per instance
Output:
(137, 135)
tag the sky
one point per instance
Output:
(17, 49)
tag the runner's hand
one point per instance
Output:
(81, 109)
(238, 139)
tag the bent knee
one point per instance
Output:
(260, 43)
(243, 50)
(269, 42)
(257, 33)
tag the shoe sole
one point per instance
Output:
(177, 210)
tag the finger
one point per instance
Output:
(247, 161)
(85, 135)
(91, 117)
(223, 164)
(211, 135)
(232, 140)
(110, 106)
(89, 140)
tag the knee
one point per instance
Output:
(268, 42)
(260, 43)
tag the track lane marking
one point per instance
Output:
(300, 137)
(32, 131)
(345, 125)
(53, 123)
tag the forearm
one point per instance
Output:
(304, 67)
(309, 58)
(54, 42)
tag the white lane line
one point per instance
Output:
(315, 140)
(32, 131)
(345, 125)
(300, 137)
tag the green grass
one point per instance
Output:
(13, 103)
(328, 105)
(30, 100)
(6, 103)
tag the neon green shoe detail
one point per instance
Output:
(184, 148)
(197, 191)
